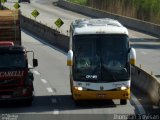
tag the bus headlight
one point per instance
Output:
(123, 88)
(78, 88)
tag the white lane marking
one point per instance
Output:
(56, 112)
(50, 90)
(36, 72)
(144, 53)
(155, 107)
(44, 81)
(138, 104)
(54, 100)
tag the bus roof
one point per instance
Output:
(98, 26)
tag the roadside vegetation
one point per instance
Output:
(81, 2)
(147, 10)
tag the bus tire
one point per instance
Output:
(123, 102)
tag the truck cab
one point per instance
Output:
(16, 78)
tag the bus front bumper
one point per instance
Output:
(100, 95)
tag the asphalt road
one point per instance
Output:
(52, 92)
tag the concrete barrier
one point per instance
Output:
(139, 25)
(48, 34)
(147, 83)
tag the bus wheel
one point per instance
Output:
(123, 102)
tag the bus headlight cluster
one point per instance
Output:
(80, 88)
(123, 88)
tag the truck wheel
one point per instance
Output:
(123, 102)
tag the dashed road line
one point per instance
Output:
(144, 53)
(36, 72)
(138, 104)
(50, 90)
(44, 81)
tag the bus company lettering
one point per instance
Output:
(12, 74)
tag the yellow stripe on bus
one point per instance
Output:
(98, 95)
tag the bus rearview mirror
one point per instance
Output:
(132, 56)
(70, 58)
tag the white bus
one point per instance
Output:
(100, 60)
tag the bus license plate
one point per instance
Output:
(6, 96)
(101, 95)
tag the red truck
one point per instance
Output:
(16, 78)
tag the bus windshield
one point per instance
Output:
(101, 58)
(12, 60)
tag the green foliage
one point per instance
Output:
(3, 1)
(147, 10)
(81, 2)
